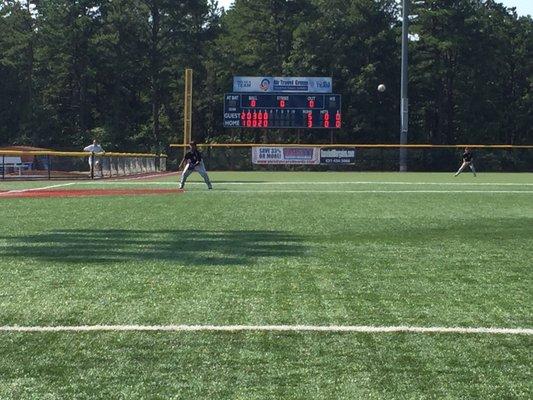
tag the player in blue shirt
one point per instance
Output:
(468, 161)
(193, 159)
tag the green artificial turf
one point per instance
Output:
(271, 248)
(263, 366)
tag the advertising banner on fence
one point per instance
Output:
(286, 155)
(282, 84)
(342, 156)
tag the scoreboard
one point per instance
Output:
(262, 110)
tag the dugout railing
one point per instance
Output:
(372, 157)
(20, 164)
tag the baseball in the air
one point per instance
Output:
(381, 87)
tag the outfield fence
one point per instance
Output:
(360, 157)
(15, 164)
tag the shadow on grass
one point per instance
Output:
(498, 230)
(193, 247)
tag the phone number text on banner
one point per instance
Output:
(286, 155)
(337, 156)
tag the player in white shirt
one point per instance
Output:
(95, 148)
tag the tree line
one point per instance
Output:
(72, 70)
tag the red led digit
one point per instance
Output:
(249, 122)
(338, 116)
(326, 123)
(282, 103)
(259, 115)
(326, 116)
(337, 124)
(243, 115)
(248, 115)
(254, 116)
(252, 103)
(265, 116)
(265, 123)
(254, 123)
(259, 123)
(311, 103)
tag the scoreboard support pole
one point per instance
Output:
(187, 110)
(404, 102)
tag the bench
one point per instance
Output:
(7, 162)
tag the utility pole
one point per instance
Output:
(404, 102)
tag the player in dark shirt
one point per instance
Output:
(193, 159)
(468, 161)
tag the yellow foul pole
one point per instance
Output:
(187, 109)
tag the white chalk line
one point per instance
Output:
(128, 182)
(159, 175)
(281, 191)
(37, 188)
(270, 328)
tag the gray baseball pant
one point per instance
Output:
(200, 168)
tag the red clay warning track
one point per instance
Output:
(85, 193)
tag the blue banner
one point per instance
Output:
(278, 84)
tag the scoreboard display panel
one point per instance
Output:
(262, 110)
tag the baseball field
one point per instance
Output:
(292, 285)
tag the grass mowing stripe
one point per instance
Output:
(373, 191)
(271, 328)
(128, 182)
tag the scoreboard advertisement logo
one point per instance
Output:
(282, 110)
(282, 84)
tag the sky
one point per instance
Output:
(523, 7)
